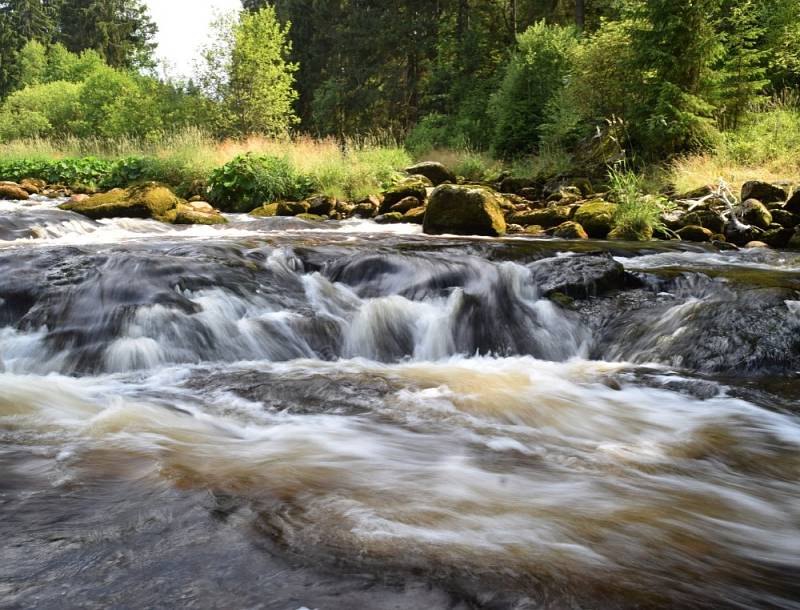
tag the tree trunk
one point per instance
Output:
(580, 13)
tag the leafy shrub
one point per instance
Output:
(251, 180)
(87, 172)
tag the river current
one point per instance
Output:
(280, 414)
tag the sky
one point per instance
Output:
(183, 28)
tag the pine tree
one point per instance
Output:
(120, 30)
(676, 45)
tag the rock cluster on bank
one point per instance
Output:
(432, 196)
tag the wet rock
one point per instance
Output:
(365, 210)
(597, 218)
(695, 233)
(77, 198)
(198, 213)
(537, 230)
(530, 193)
(547, 218)
(570, 230)
(566, 195)
(705, 218)
(579, 276)
(794, 241)
(312, 217)
(12, 191)
(579, 184)
(756, 213)
(464, 210)
(516, 186)
(763, 192)
(756, 245)
(435, 172)
(415, 186)
(149, 200)
(722, 245)
(406, 204)
(389, 218)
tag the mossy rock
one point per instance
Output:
(292, 208)
(597, 218)
(33, 186)
(415, 216)
(463, 210)
(756, 213)
(149, 200)
(406, 204)
(415, 186)
(197, 213)
(433, 171)
(570, 230)
(695, 233)
(793, 205)
(547, 218)
(11, 191)
(390, 218)
(321, 205)
(778, 237)
(631, 233)
(705, 218)
(537, 230)
(785, 218)
(265, 211)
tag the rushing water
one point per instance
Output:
(277, 414)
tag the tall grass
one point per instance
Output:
(349, 170)
(638, 215)
(765, 146)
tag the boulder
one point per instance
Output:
(148, 200)
(763, 192)
(756, 244)
(33, 186)
(265, 211)
(547, 218)
(537, 230)
(12, 191)
(777, 236)
(464, 210)
(291, 208)
(433, 171)
(695, 233)
(198, 213)
(530, 193)
(404, 205)
(785, 218)
(793, 205)
(415, 186)
(78, 197)
(415, 216)
(516, 186)
(632, 232)
(565, 195)
(321, 205)
(756, 213)
(365, 210)
(389, 218)
(739, 234)
(597, 218)
(570, 230)
(705, 218)
(794, 241)
(578, 276)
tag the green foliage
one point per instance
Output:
(86, 172)
(637, 215)
(40, 111)
(252, 180)
(535, 75)
(247, 72)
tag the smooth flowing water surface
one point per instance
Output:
(279, 414)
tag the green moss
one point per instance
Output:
(265, 211)
(547, 218)
(464, 211)
(596, 217)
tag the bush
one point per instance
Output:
(40, 111)
(535, 74)
(251, 180)
(88, 172)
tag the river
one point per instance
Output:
(278, 414)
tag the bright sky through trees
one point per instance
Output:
(183, 27)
